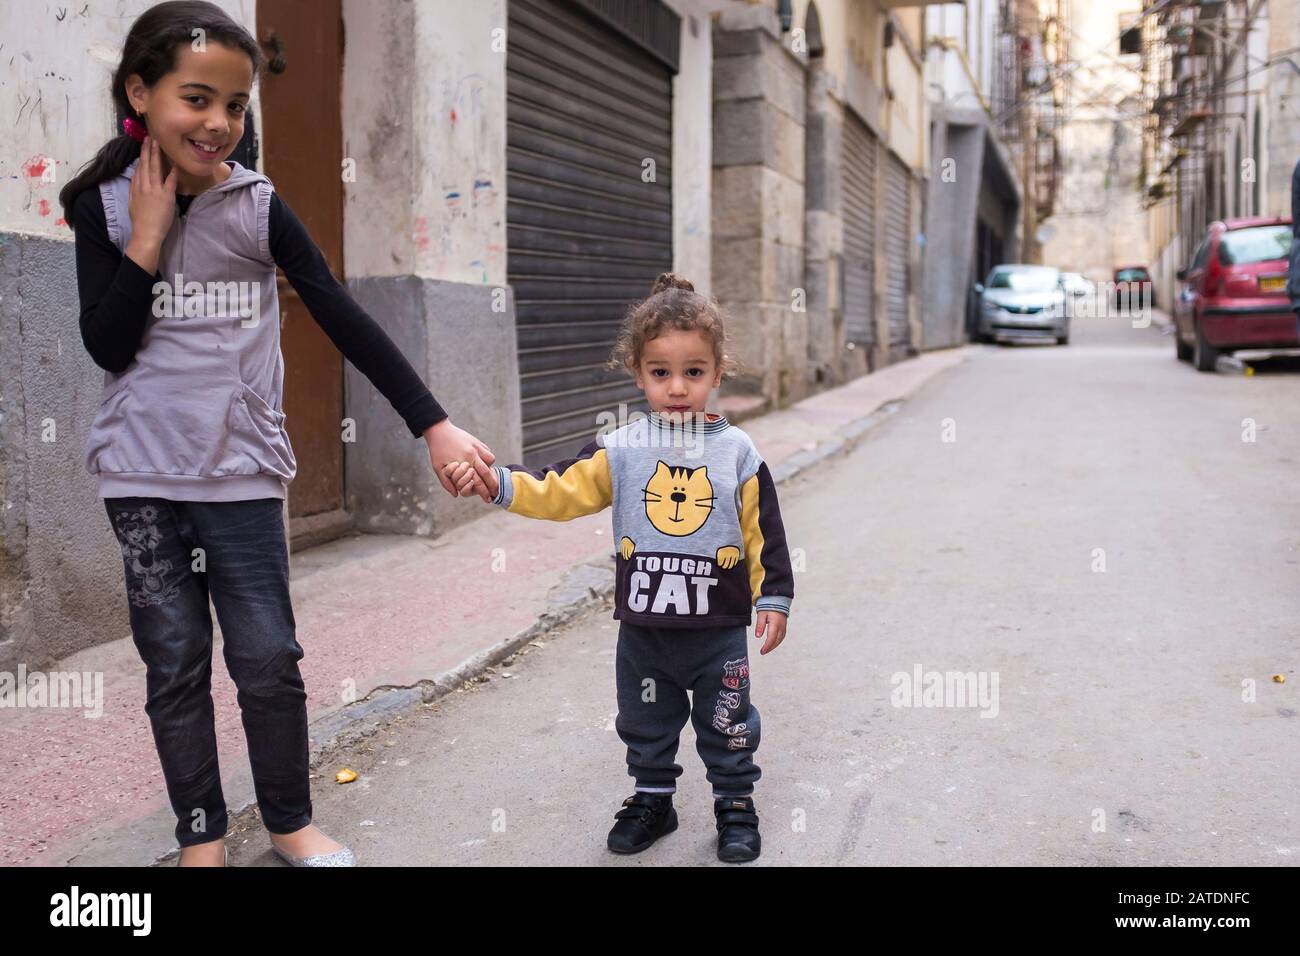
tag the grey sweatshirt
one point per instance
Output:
(697, 526)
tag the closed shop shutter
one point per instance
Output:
(897, 235)
(859, 212)
(588, 101)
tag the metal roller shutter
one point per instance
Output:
(898, 230)
(859, 210)
(586, 105)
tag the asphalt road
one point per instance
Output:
(1118, 733)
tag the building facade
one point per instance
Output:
(495, 183)
(975, 215)
(1221, 91)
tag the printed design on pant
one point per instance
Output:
(139, 536)
(735, 674)
(735, 678)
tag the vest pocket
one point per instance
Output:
(257, 433)
(109, 422)
(185, 433)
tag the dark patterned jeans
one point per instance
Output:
(176, 554)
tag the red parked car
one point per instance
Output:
(1234, 293)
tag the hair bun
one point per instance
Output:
(671, 280)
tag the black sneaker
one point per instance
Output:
(644, 818)
(738, 839)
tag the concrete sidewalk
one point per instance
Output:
(386, 622)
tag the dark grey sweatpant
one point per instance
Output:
(655, 667)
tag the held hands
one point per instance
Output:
(449, 446)
(772, 624)
(467, 480)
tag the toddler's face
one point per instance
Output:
(202, 101)
(677, 372)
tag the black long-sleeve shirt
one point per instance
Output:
(117, 301)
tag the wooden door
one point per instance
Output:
(302, 152)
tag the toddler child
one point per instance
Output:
(700, 543)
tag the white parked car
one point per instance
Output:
(1022, 303)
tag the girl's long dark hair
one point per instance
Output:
(150, 50)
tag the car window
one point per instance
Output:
(1132, 275)
(1256, 244)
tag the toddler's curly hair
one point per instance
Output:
(673, 303)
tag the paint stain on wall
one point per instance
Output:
(483, 194)
(454, 208)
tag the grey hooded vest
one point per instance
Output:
(197, 415)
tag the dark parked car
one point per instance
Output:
(1234, 294)
(1134, 288)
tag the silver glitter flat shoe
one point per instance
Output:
(341, 857)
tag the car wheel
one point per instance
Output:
(1204, 355)
(1063, 339)
(1181, 349)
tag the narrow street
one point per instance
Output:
(1118, 733)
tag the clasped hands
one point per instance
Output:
(468, 479)
(450, 446)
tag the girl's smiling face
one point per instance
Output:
(199, 104)
(677, 372)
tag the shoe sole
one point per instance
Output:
(672, 825)
(736, 853)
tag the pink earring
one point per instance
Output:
(135, 129)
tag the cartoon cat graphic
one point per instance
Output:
(678, 500)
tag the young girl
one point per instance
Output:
(189, 442)
(700, 543)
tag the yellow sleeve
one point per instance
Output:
(560, 492)
(767, 559)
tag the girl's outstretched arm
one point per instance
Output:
(367, 346)
(354, 333)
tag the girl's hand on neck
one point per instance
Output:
(152, 206)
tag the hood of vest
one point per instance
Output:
(240, 176)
